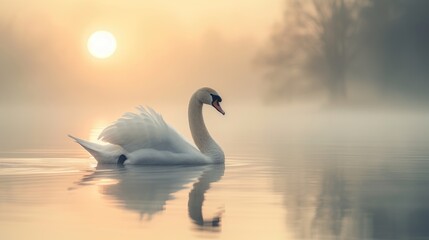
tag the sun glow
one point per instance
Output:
(101, 44)
(97, 128)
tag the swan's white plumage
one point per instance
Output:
(134, 131)
(145, 138)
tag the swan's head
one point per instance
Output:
(210, 97)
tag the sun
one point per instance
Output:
(101, 44)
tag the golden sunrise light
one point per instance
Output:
(101, 44)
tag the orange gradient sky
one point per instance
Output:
(163, 47)
(165, 51)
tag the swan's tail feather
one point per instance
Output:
(92, 148)
(102, 153)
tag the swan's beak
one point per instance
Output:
(216, 105)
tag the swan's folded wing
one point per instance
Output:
(133, 131)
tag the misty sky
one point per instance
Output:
(161, 45)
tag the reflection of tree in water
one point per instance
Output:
(331, 203)
(146, 189)
(394, 203)
(315, 197)
(381, 197)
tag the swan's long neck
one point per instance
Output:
(199, 131)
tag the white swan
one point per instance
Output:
(145, 138)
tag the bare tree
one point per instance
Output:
(311, 50)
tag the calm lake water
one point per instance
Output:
(366, 183)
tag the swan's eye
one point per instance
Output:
(216, 98)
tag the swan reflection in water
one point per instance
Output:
(146, 189)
